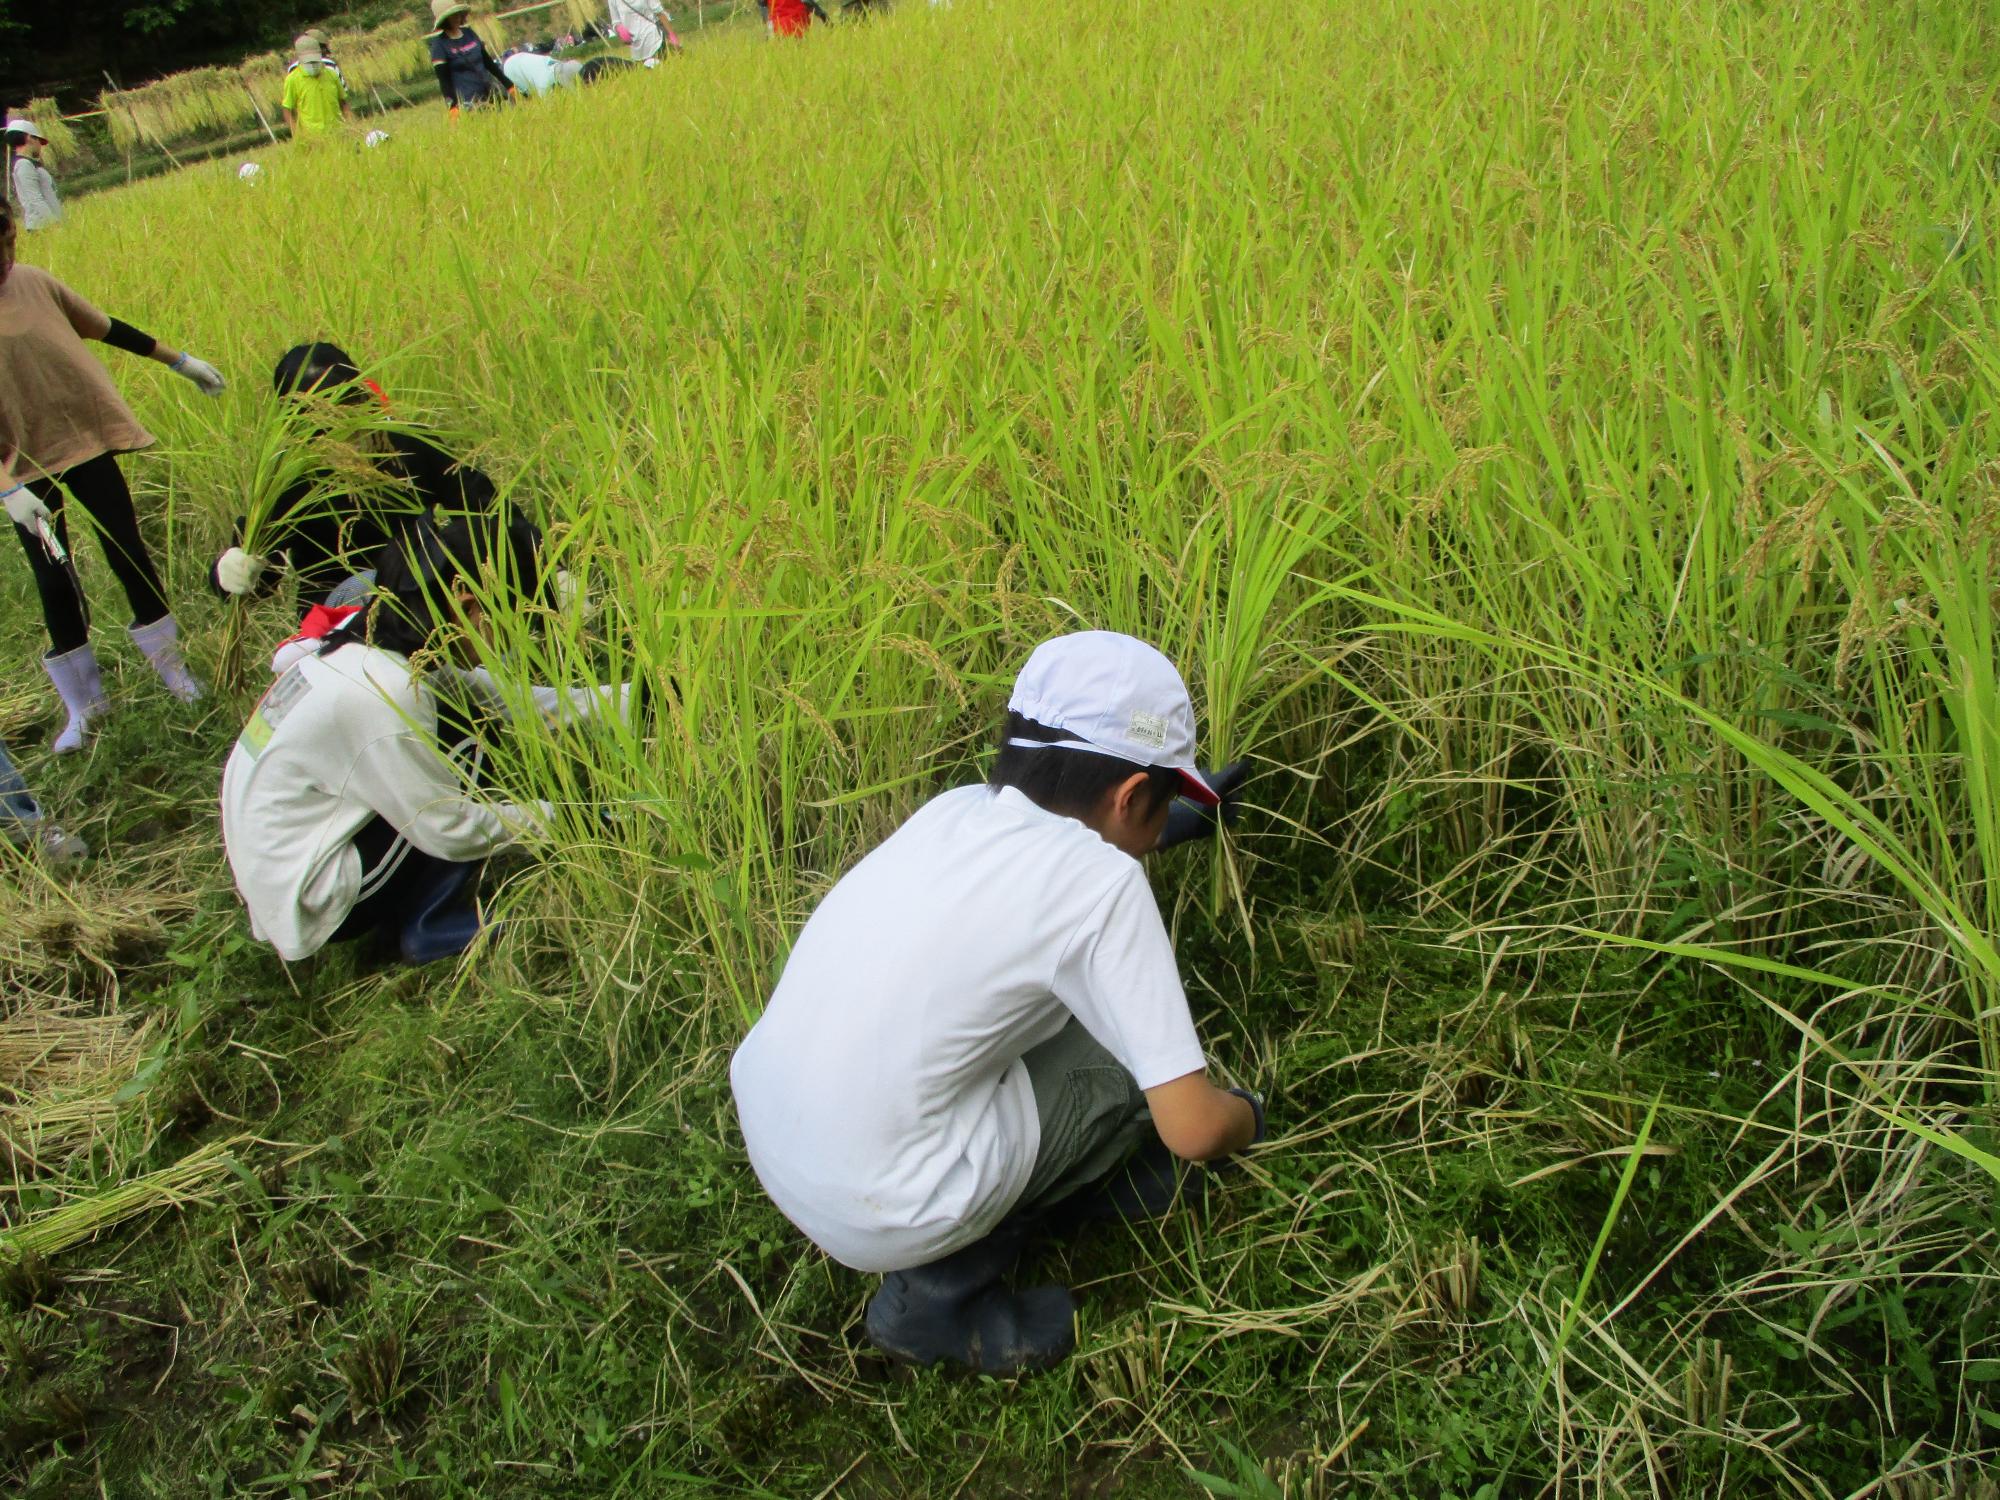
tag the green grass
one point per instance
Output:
(1555, 443)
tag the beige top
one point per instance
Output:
(58, 407)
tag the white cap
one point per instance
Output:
(1115, 695)
(26, 127)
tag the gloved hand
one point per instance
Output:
(570, 597)
(238, 571)
(1256, 1108)
(205, 376)
(1186, 820)
(24, 507)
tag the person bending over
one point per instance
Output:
(344, 814)
(62, 426)
(333, 517)
(981, 1029)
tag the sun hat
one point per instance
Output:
(26, 127)
(444, 10)
(1115, 695)
(307, 49)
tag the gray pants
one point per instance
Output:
(1092, 1111)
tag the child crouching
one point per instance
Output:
(981, 1030)
(348, 803)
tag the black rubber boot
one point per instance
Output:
(959, 1309)
(443, 913)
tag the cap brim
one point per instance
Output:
(1195, 789)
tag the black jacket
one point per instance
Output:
(338, 534)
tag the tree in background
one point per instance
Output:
(65, 48)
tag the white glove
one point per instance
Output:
(238, 571)
(571, 598)
(24, 507)
(200, 371)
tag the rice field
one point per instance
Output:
(1556, 443)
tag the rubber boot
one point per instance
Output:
(958, 1309)
(443, 912)
(76, 678)
(161, 641)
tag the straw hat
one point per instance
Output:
(444, 10)
(307, 49)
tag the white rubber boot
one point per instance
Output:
(75, 675)
(161, 641)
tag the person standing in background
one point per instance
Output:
(640, 25)
(27, 179)
(793, 17)
(315, 99)
(319, 35)
(466, 71)
(62, 425)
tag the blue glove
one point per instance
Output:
(1187, 821)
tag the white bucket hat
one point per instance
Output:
(26, 127)
(1115, 695)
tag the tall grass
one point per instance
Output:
(1554, 440)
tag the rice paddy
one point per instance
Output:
(1556, 443)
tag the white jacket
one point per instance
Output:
(35, 190)
(337, 741)
(642, 19)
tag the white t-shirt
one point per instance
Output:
(534, 74)
(336, 741)
(881, 1093)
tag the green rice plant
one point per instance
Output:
(191, 1180)
(1555, 445)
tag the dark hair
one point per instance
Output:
(304, 368)
(501, 555)
(1071, 782)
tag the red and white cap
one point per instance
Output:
(1115, 695)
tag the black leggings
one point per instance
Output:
(99, 488)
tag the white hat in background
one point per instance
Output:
(375, 138)
(248, 170)
(1116, 695)
(26, 127)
